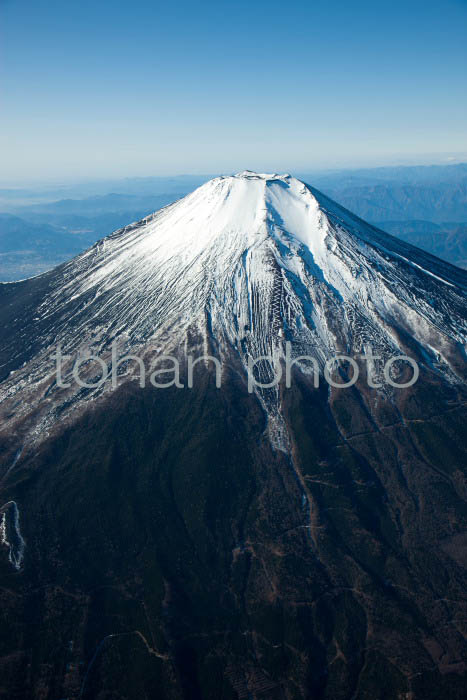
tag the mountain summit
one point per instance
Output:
(243, 264)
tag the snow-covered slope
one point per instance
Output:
(246, 263)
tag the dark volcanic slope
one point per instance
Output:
(205, 544)
(170, 552)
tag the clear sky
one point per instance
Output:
(97, 88)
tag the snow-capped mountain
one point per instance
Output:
(246, 263)
(202, 543)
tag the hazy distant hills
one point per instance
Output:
(426, 206)
(46, 234)
(27, 248)
(13, 198)
(101, 204)
(427, 175)
(390, 201)
(446, 241)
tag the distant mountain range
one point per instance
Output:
(391, 201)
(446, 241)
(426, 206)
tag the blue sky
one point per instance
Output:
(144, 88)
